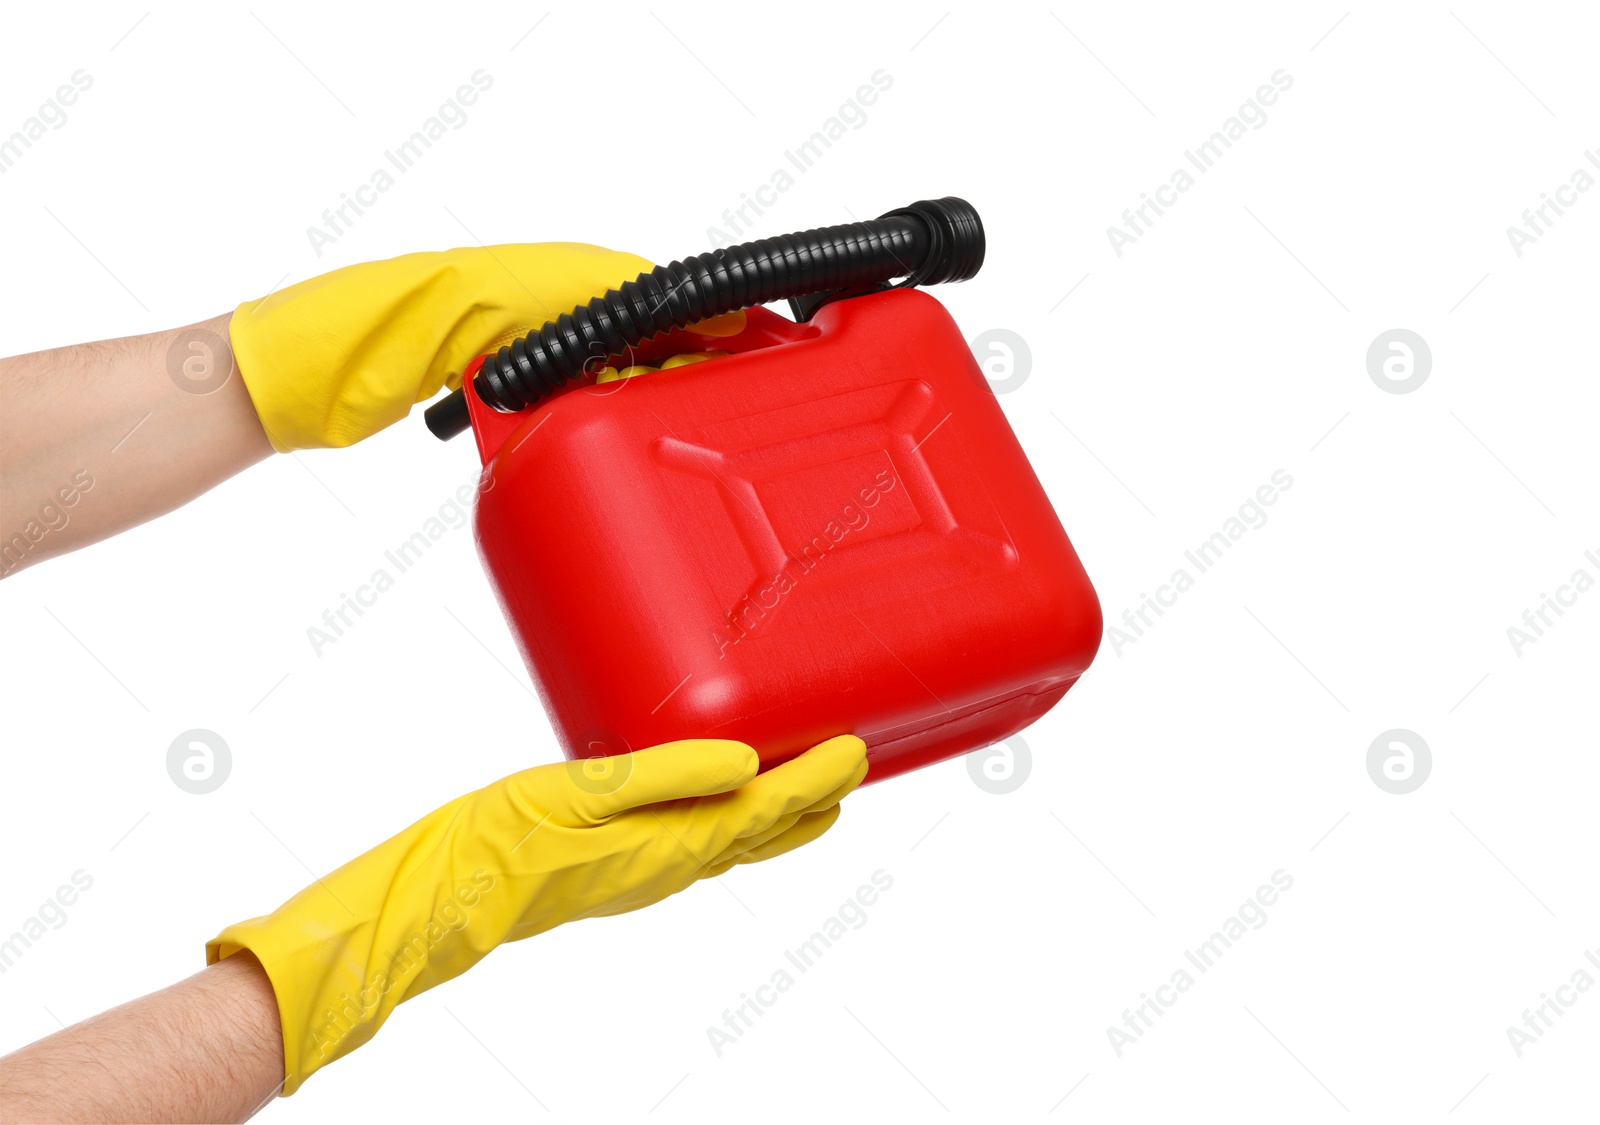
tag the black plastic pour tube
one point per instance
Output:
(931, 241)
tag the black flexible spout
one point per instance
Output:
(931, 241)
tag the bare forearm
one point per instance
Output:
(207, 1049)
(96, 438)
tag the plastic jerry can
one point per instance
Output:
(830, 530)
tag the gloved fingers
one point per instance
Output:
(501, 293)
(585, 272)
(809, 827)
(551, 278)
(599, 788)
(817, 779)
(805, 830)
(784, 823)
(844, 789)
(739, 847)
(537, 283)
(795, 786)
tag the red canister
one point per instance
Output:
(830, 530)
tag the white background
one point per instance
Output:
(1227, 743)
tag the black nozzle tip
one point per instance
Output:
(955, 240)
(448, 417)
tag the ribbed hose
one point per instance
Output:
(929, 242)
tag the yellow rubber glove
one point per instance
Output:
(545, 846)
(337, 358)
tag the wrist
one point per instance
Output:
(240, 985)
